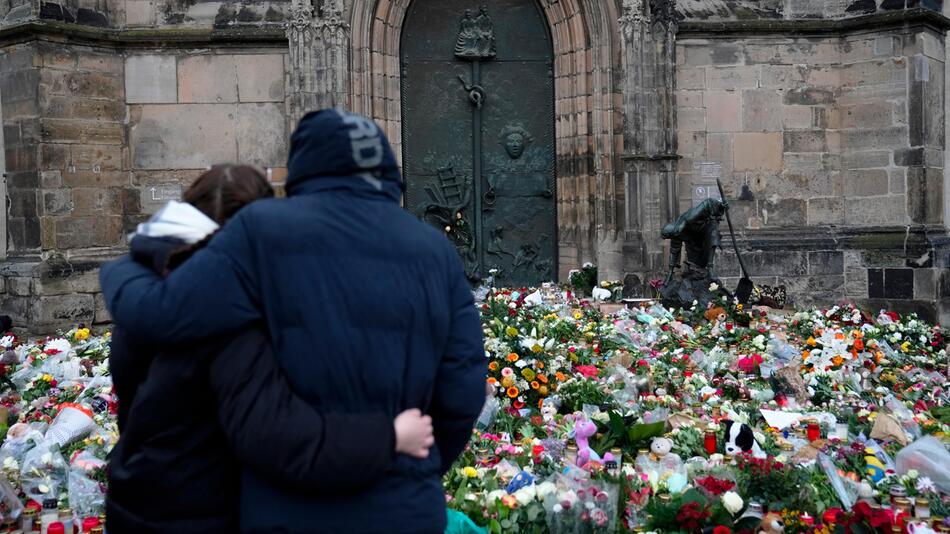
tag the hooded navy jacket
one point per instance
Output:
(368, 310)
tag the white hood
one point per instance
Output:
(178, 220)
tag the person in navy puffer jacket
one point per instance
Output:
(367, 307)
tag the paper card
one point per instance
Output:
(781, 420)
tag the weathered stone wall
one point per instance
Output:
(827, 118)
(97, 138)
(832, 145)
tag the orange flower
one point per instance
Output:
(491, 380)
(543, 379)
(806, 354)
(493, 366)
(560, 376)
(512, 392)
(539, 365)
(811, 342)
(512, 357)
(839, 335)
(858, 344)
(837, 360)
(535, 385)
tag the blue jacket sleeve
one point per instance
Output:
(460, 383)
(214, 292)
(281, 437)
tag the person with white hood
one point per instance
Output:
(192, 416)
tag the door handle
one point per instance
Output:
(476, 94)
(489, 197)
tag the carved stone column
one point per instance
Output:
(318, 38)
(649, 59)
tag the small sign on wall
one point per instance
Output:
(155, 196)
(704, 181)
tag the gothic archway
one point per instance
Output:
(588, 114)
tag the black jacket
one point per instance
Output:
(193, 415)
(368, 309)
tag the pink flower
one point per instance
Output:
(587, 370)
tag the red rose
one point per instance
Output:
(722, 530)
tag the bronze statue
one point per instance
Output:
(698, 231)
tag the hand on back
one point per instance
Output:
(413, 433)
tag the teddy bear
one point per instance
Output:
(667, 460)
(772, 524)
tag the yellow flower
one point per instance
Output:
(578, 315)
(470, 472)
(82, 334)
(511, 331)
(905, 346)
(536, 348)
(48, 378)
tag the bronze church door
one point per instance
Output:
(478, 133)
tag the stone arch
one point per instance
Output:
(588, 109)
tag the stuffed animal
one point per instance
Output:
(583, 430)
(660, 447)
(521, 480)
(772, 524)
(740, 439)
(875, 468)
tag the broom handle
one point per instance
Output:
(722, 196)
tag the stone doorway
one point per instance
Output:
(478, 133)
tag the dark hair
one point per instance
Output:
(219, 193)
(224, 189)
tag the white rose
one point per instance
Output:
(545, 488)
(732, 501)
(913, 473)
(525, 495)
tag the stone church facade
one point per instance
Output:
(825, 120)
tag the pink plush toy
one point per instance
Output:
(583, 430)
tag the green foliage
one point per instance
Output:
(584, 280)
(577, 392)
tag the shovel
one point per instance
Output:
(745, 287)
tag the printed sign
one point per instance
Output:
(155, 196)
